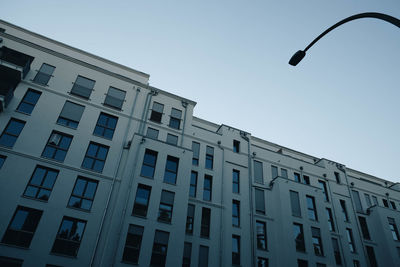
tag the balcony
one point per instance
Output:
(14, 66)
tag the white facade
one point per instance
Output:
(97, 222)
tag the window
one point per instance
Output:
(393, 205)
(166, 206)
(83, 87)
(44, 74)
(260, 202)
(317, 241)
(10, 262)
(350, 240)
(261, 229)
(236, 146)
(297, 177)
(371, 256)
(306, 179)
(274, 171)
(375, 200)
(356, 263)
(11, 132)
(175, 119)
(330, 220)
(393, 229)
(312, 211)
(196, 153)
(385, 203)
(337, 177)
(368, 200)
(187, 254)
(172, 139)
(171, 170)
(149, 163)
(203, 256)
(132, 244)
(336, 251)
(190, 219)
(357, 200)
(236, 213)
(70, 115)
(235, 250)
(324, 189)
(41, 183)
(262, 262)
(209, 157)
(295, 203)
(284, 173)
(236, 181)
(302, 263)
(344, 210)
(29, 101)
(69, 236)
(115, 98)
(299, 237)
(95, 157)
(105, 126)
(193, 184)
(152, 133)
(364, 228)
(141, 200)
(82, 196)
(157, 112)
(22, 227)
(258, 172)
(205, 222)
(160, 247)
(207, 189)
(57, 146)
(2, 160)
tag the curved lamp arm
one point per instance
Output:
(299, 55)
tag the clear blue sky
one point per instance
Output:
(342, 102)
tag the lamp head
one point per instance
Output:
(297, 57)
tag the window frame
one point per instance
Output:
(6, 132)
(18, 237)
(235, 181)
(83, 197)
(44, 74)
(205, 223)
(193, 184)
(76, 87)
(108, 97)
(148, 164)
(311, 209)
(156, 116)
(166, 207)
(41, 186)
(24, 101)
(131, 249)
(106, 126)
(209, 164)
(207, 190)
(68, 241)
(171, 173)
(235, 213)
(236, 254)
(56, 147)
(137, 206)
(175, 121)
(261, 235)
(95, 158)
(70, 122)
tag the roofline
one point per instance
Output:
(75, 49)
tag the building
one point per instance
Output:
(98, 168)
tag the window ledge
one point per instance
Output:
(79, 209)
(63, 125)
(33, 198)
(14, 246)
(18, 111)
(101, 136)
(63, 255)
(139, 216)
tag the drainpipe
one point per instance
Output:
(221, 236)
(131, 174)
(184, 104)
(114, 179)
(340, 167)
(245, 137)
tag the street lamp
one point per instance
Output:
(299, 55)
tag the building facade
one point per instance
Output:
(98, 168)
